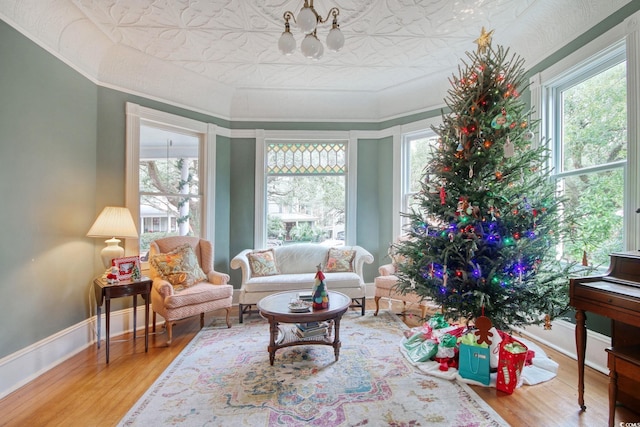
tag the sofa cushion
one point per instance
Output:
(179, 267)
(198, 294)
(263, 263)
(339, 260)
(301, 281)
(300, 258)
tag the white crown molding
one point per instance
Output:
(219, 57)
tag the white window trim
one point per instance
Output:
(399, 136)
(135, 115)
(629, 32)
(260, 233)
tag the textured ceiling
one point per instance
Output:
(221, 57)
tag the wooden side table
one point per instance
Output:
(105, 291)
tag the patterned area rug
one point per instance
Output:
(223, 378)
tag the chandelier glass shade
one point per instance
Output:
(307, 21)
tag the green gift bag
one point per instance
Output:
(473, 363)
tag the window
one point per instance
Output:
(169, 190)
(417, 149)
(167, 175)
(306, 192)
(587, 119)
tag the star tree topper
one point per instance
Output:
(484, 40)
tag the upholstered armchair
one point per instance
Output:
(184, 282)
(385, 285)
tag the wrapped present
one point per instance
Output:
(437, 321)
(419, 349)
(447, 352)
(513, 355)
(446, 346)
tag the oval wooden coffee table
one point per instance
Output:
(275, 308)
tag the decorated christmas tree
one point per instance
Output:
(485, 226)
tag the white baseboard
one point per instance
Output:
(25, 365)
(561, 338)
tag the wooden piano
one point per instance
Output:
(615, 295)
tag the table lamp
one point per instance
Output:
(113, 222)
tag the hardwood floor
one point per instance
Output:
(84, 391)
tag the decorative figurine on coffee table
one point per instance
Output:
(320, 294)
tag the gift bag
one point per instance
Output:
(473, 363)
(513, 354)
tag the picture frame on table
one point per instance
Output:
(128, 267)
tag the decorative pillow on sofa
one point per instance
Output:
(179, 267)
(263, 263)
(339, 260)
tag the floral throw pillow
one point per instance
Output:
(263, 263)
(179, 267)
(340, 260)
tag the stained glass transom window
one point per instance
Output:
(311, 158)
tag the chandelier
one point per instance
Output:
(308, 20)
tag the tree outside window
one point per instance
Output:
(417, 149)
(306, 192)
(169, 185)
(591, 158)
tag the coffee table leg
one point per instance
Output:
(273, 329)
(336, 338)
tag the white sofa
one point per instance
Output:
(296, 265)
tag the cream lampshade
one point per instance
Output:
(113, 222)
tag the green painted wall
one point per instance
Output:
(367, 218)
(385, 194)
(242, 201)
(222, 205)
(48, 147)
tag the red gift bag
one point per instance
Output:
(513, 355)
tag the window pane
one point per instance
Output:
(306, 208)
(168, 185)
(597, 199)
(168, 162)
(594, 120)
(287, 158)
(420, 151)
(163, 216)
